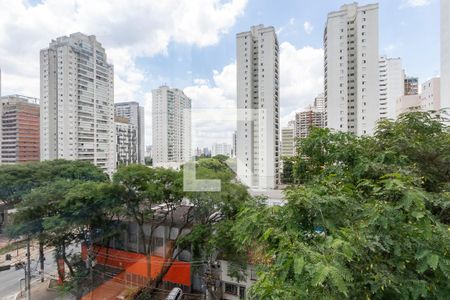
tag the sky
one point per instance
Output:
(190, 45)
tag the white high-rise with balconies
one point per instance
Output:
(392, 85)
(445, 55)
(171, 127)
(258, 107)
(430, 95)
(77, 102)
(135, 115)
(351, 69)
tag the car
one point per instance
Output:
(19, 265)
(175, 294)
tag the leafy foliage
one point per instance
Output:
(17, 180)
(369, 219)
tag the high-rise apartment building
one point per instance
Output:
(258, 107)
(411, 86)
(171, 120)
(407, 103)
(319, 103)
(234, 143)
(391, 85)
(77, 102)
(305, 120)
(287, 142)
(351, 69)
(429, 98)
(430, 95)
(135, 115)
(126, 142)
(221, 149)
(19, 129)
(445, 55)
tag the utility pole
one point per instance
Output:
(28, 271)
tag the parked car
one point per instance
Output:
(19, 265)
(175, 294)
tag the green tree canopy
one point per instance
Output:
(17, 180)
(368, 221)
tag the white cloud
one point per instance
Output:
(287, 27)
(415, 3)
(200, 81)
(213, 108)
(128, 29)
(213, 116)
(301, 80)
(307, 26)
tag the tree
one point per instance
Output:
(288, 164)
(369, 220)
(205, 226)
(17, 180)
(210, 217)
(148, 161)
(41, 186)
(142, 188)
(33, 213)
(87, 213)
(220, 157)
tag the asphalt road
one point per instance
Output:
(10, 279)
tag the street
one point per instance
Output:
(10, 279)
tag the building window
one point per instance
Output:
(253, 275)
(241, 292)
(231, 289)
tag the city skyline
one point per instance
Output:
(201, 62)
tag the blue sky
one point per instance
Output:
(190, 44)
(411, 33)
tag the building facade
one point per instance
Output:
(233, 288)
(407, 103)
(319, 103)
(287, 142)
(430, 95)
(411, 86)
(258, 122)
(307, 119)
(221, 149)
(445, 55)
(234, 150)
(391, 85)
(126, 142)
(351, 69)
(77, 102)
(19, 129)
(135, 115)
(171, 122)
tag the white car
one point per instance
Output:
(175, 294)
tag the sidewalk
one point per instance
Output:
(41, 291)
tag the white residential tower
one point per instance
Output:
(171, 126)
(392, 85)
(351, 69)
(258, 107)
(77, 102)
